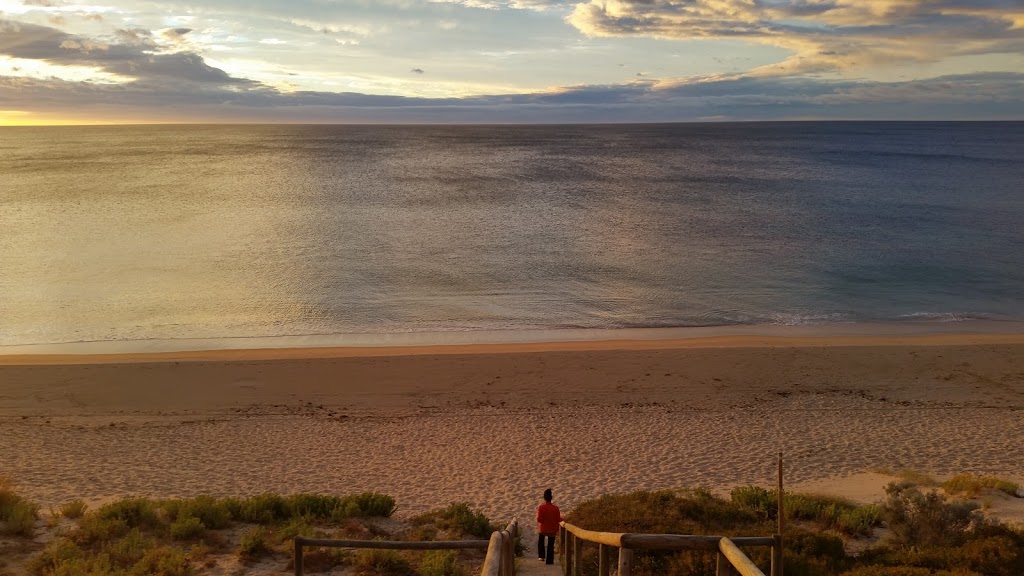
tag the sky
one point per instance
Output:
(482, 61)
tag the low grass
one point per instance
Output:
(253, 543)
(212, 513)
(457, 520)
(145, 536)
(187, 528)
(134, 554)
(441, 563)
(270, 508)
(972, 485)
(73, 509)
(381, 563)
(829, 512)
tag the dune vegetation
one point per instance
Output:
(915, 531)
(180, 537)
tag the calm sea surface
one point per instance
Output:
(135, 233)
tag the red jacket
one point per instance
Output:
(548, 516)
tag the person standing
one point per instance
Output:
(548, 518)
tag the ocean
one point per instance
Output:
(190, 232)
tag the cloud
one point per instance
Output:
(161, 70)
(536, 5)
(174, 82)
(823, 35)
(135, 37)
(175, 33)
(132, 54)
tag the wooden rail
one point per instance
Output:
(501, 552)
(731, 560)
(500, 559)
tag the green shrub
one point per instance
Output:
(94, 528)
(971, 485)
(213, 513)
(372, 504)
(758, 500)
(295, 527)
(860, 520)
(99, 566)
(325, 507)
(272, 508)
(18, 514)
(441, 563)
(381, 563)
(163, 561)
(995, 556)
(829, 512)
(129, 549)
(459, 519)
(73, 509)
(21, 518)
(925, 519)
(187, 528)
(58, 552)
(261, 509)
(748, 512)
(134, 512)
(663, 512)
(253, 542)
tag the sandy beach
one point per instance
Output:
(494, 425)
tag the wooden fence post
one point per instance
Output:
(625, 562)
(777, 555)
(778, 537)
(604, 560)
(567, 553)
(724, 567)
(577, 556)
(298, 556)
(506, 556)
(561, 543)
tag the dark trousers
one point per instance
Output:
(549, 558)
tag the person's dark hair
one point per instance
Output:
(547, 495)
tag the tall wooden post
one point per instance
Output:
(777, 556)
(298, 556)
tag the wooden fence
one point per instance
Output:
(731, 560)
(500, 559)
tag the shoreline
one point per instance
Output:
(512, 341)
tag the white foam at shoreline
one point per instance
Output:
(905, 328)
